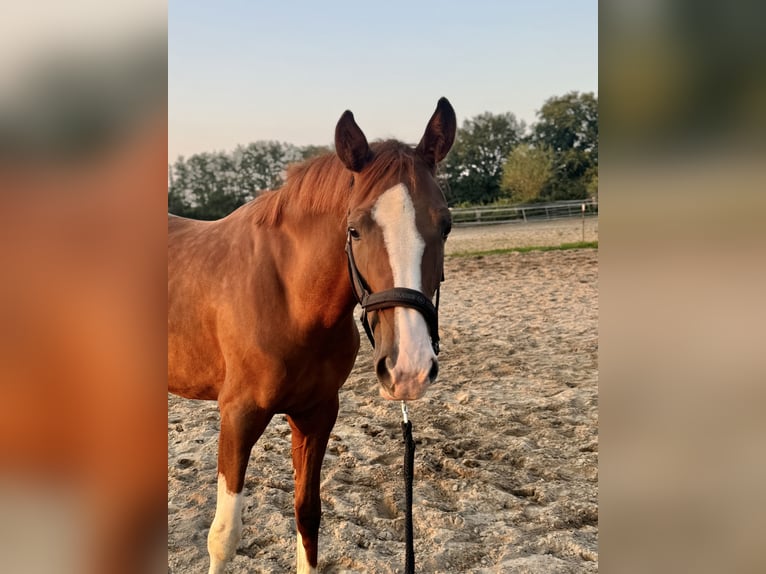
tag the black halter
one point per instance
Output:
(395, 297)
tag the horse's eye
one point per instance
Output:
(353, 232)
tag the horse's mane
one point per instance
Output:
(322, 184)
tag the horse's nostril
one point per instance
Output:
(381, 369)
(434, 372)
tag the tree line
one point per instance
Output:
(495, 159)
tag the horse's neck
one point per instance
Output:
(316, 282)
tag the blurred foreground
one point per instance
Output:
(83, 164)
(682, 278)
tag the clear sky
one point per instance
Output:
(241, 71)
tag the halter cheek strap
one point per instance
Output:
(395, 297)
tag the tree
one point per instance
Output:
(526, 171)
(569, 122)
(309, 151)
(212, 185)
(472, 170)
(568, 125)
(592, 188)
(179, 193)
(261, 165)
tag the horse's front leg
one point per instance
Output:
(310, 433)
(240, 428)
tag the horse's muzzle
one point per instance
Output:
(397, 384)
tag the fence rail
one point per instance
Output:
(485, 215)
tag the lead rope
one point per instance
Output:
(409, 464)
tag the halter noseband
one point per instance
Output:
(395, 297)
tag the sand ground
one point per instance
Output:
(506, 463)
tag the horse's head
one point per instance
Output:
(397, 224)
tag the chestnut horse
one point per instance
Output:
(260, 305)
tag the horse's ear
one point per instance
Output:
(440, 133)
(350, 144)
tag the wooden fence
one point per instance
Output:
(483, 215)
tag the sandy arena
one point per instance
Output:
(506, 463)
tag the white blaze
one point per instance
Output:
(395, 214)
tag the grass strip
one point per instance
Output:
(562, 247)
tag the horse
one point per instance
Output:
(261, 306)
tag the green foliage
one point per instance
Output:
(212, 185)
(204, 186)
(568, 125)
(179, 203)
(492, 161)
(472, 170)
(261, 165)
(569, 122)
(592, 185)
(526, 171)
(528, 249)
(309, 151)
